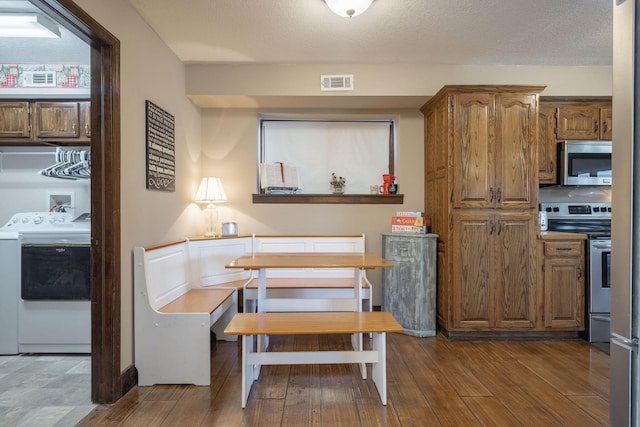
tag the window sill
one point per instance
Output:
(373, 199)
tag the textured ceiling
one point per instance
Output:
(487, 32)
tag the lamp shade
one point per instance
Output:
(210, 191)
(348, 8)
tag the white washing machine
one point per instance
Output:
(53, 287)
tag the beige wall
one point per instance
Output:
(149, 70)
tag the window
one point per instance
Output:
(359, 150)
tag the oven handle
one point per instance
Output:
(602, 318)
(601, 245)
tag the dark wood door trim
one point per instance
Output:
(108, 384)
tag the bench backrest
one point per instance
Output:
(162, 273)
(210, 256)
(346, 243)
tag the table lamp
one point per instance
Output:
(211, 192)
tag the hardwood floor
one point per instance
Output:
(431, 382)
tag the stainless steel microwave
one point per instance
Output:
(585, 162)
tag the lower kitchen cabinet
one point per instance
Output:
(409, 288)
(562, 284)
(493, 271)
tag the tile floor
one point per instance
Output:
(44, 390)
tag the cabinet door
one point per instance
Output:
(563, 293)
(578, 123)
(57, 120)
(547, 145)
(472, 264)
(516, 153)
(14, 120)
(605, 123)
(436, 151)
(515, 241)
(85, 121)
(474, 151)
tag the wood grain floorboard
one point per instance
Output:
(430, 381)
(434, 385)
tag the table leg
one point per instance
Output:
(263, 341)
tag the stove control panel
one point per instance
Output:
(577, 210)
(43, 221)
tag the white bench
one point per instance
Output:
(309, 283)
(182, 292)
(250, 325)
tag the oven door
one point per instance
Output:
(600, 276)
(55, 271)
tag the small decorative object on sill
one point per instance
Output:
(337, 183)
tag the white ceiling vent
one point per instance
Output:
(336, 82)
(39, 79)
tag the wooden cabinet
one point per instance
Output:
(60, 121)
(492, 156)
(586, 122)
(14, 120)
(57, 122)
(481, 190)
(547, 145)
(562, 284)
(409, 288)
(493, 277)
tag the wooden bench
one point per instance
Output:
(180, 297)
(250, 325)
(309, 283)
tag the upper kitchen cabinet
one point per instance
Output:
(59, 121)
(584, 122)
(494, 147)
(547, 145)
(14, 120)
(54, 122)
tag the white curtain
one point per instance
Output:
(356, 150)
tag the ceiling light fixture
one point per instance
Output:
(348, 8)
(27, 25)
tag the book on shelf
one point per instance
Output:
(279, 176)
(408, 229)
(410, 214)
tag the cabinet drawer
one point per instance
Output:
(563, 248)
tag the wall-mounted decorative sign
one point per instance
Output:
(161, 149)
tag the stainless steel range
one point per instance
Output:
(47, 286)
(587, 210)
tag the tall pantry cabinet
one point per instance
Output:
(481, 190)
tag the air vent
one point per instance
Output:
(336, 82)
(39, 79)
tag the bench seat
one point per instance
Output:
(312, 323)
(198, 301)
(250, 325)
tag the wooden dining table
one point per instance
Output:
(263, 261)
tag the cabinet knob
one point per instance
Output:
(499, 195)
(491, 194)
(551, 166)
(596, 126)
(604, 127)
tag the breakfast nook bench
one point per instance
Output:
(250, 325)
(183, 293)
